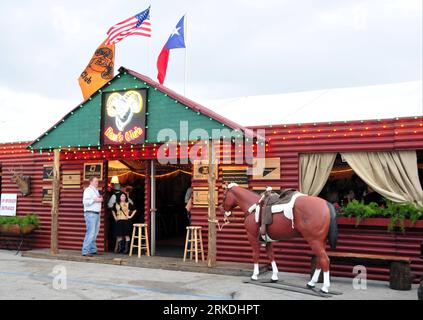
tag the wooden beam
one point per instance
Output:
(211, 255)
(55, 204)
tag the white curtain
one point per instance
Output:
(393, 174)
(315, 169)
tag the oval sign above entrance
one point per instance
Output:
(124, 117)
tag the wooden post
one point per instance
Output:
(211, 256)
(55, 204)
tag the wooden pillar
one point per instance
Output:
(153, 207)
(211, 256)
(55, 204)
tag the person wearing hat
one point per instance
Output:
(116, 192)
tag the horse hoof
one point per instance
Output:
(309, 286)
(323, 291)
(273, 281)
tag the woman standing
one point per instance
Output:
(122, 212)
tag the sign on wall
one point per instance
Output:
(267, 169)
(8, 203)
(71, 179)
(201, 169)
(47, 195)
(93, 170)
(124, 117)
(48, 172)
(200, 196)
(235, 174)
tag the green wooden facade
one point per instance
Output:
(82, 126)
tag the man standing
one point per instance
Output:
(92, 208)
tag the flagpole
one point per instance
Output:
(186, 55)
(148, 70)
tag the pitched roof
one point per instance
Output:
(85, 125)
(184, 100)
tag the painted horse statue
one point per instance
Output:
(313, 218)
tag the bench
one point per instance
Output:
(400, 272)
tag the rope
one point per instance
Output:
(218, 224)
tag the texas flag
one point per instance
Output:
(176, 40)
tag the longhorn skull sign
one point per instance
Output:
(23, 182)
(125, 116)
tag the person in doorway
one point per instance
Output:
(116, 192)
(188, 203)
(92, 207)
(373, 196)
(349, 197)
(122, 212)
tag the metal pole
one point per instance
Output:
(186, 55)
(153, 207)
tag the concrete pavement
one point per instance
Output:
(30, 278)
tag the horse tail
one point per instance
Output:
(333, 227)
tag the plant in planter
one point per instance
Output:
(11, 225)
(398, 213)
(29, 223)
(361, 211)
(18, 225)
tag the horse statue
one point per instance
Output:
(313, 218)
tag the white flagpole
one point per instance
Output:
(186, 55)
(149, 51)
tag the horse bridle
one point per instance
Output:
(226, 214)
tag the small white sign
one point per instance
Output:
(8, 204)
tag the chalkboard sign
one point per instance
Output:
(235, 174)
(47, 195)
(93, 170)
(48, 172)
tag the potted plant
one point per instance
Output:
(19, 225)
(12, 225)
(3, 226)
(399, 214)
(29, 223)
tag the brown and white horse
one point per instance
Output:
(313, 218)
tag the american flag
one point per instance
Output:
(136, 25)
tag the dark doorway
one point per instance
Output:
(172, 183)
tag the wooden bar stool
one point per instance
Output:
(142, 230)
(194, 238)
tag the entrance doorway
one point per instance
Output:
(172, 182)
(124, 176)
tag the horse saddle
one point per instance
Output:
(275, 203)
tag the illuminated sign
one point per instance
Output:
(124, 117)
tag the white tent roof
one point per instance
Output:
(356, 103)
(24, 117)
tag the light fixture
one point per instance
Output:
(115, 180)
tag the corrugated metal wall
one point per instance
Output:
(288, 142)
(71, 217)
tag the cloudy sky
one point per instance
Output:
(235, 48)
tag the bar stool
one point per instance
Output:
(194, 237)
(142, 230)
